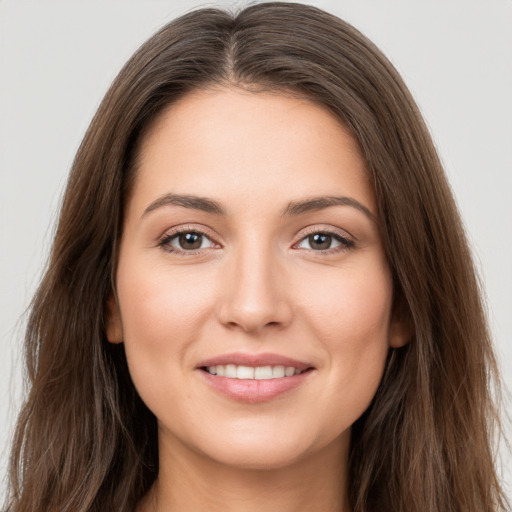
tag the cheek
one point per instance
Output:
(163, 310)
(158, 300)
(350, 316)
(349, 306)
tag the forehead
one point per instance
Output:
(228, 142)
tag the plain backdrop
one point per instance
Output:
(57, 59)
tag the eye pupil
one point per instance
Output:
(190, 240)
(320, 241)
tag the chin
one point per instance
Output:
(268, 450)
(260, 458)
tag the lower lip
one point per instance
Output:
(252, 390)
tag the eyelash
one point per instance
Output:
(345, 243)
(166, 240)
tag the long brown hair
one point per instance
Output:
(85, 442)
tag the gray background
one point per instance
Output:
(57, 59)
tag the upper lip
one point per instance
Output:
(266, 359)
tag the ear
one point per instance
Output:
(114, 327)
(401, 329)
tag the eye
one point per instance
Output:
(324, 241)
(186, 241)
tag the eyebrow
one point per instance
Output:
(186, 201)
(293, 208)
(320, 203)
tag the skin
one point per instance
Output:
(257, 284)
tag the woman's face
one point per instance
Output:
(253, 295)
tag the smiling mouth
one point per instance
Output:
(254, 378)
(241, 372)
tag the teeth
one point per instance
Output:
(233, 371)
(230, 371)
(289, 371)
(263, 372)
(278, 372)
(244, 372)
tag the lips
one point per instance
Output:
(253, 378)
(254, 360)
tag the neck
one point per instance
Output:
(190, 482)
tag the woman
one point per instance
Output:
(260, 295)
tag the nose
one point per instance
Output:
(255, 292)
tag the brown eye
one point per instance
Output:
(320, 241)
(186, 241)
(324, 241)
(190, 241)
